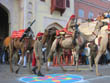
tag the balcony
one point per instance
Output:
(58, 5)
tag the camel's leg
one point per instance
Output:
(58, 54)
(47, 52)
(19, 66)
(96, 62)
(15, 58)
(47, 66)
(77, 59)
(10, 60)
(10, 57)
(90, 64)
(52, 50)
(50, 53)
(29, 61)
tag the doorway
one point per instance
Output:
(4, 25)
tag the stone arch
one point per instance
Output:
(55, 25)
(4, 22)
(5, 8)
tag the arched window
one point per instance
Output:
(90, 14)
(67, 3)
(80, 13)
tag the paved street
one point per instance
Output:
(88, 77)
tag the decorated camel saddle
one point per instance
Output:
(17, 34)
(88, 27)
(62, 33)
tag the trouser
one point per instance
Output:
(3, 58)
(25, 60)
(93, 55)
(33, 60)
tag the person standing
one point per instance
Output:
(37, 60)
(73, 57)
(87, 53)
(93, 51)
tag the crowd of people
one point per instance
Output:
(86, 55)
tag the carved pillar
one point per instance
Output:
(21, 6)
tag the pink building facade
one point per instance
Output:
(85, 9)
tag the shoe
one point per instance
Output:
(34, 70)
(24, 66)
(40, 74)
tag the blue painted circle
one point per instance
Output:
(52, 78)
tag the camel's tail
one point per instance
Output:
(6, 41)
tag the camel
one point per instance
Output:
(14, 44)
(103, 46)
(69, 40)
(26, 43)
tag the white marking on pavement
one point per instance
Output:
(101, 77)
(96, 78)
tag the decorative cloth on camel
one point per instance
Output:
(17, 34)
(14, 34)
(72, 17)
(65, 29)
(87, 27)
(21, 32)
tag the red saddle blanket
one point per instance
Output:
(17, 34)
(63, 30)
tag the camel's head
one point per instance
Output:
(45, 36)
(101, 24)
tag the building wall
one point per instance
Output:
(44, 18)
(12, 7)
(23, 12)
(96, 6)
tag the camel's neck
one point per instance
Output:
(97, 29)
(70, 26)
(44, 38)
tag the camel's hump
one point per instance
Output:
(87, 27)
